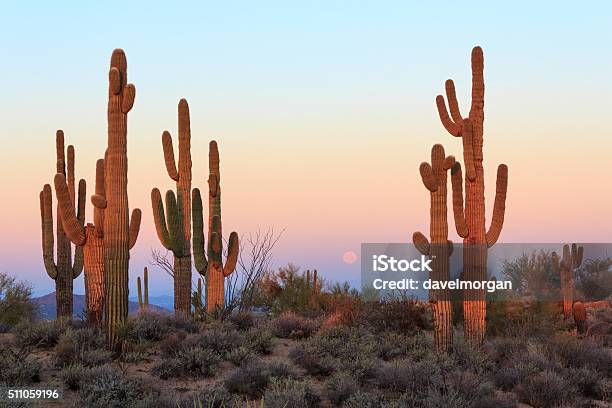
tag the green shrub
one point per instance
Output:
(147, 326)
(288, 392)
(40, 333)
(188, 362)
(106, 386)
(15, 301)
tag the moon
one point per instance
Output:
(349, 257)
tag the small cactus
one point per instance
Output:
(580, 317)
(571, 260)
(212, 267)
(65, 269)
(143, 304)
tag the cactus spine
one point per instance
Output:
(143, 304)
(90, 238)
(438, 247)
(570, 261)
(65, 269)
(470, 221)
(176, 234)
(212, 267)
(120, 230)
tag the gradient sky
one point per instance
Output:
(323, 112)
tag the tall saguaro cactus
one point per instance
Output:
(143, 304)
(438, 247)
(175, 235)
(570, 261)
(91, 238)
(470, 220)
(120, 230)
(212, 267)
(65, 269)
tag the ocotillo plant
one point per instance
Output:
(470, 220)
(176, 234)
(143, 304)
(65, 269)
(212, 267)
(120, 230)
(438, 247)
(570, 261)
(91, 238)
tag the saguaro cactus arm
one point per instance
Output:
(232, 254)
(458, 211)
(134, 226)
(99, 199)
(73, 227)
(46, 216)
(199, 254)
(169, 156)
(160, 219)
(499, 205)
(421, 243)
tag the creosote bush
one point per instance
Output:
(252, 378)
(15, 301)
(292, 326)
(40, 333)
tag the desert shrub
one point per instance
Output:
(406, 376)
(509, 375)
(215, 397)
(545, 389)
(291, 326)
(82, 346)
(541, 319)
(106, 386)
(40, 333)
(135, 351)
(188, 362)
(172, 343)
(594, 280)
(219, 338)
(340, 387)
(313, 364)
(15, 301)
(240, 356)
(242, 320)
(588, 383)
(181, 323)
(362, 399)
(288, 392)
(574, 352)
(252, 378)
(147, 326)
(72, 375)
(288, 290)
(399, 314)
(17, 368)
(260, 340)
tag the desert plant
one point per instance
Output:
(143, 303)
(291, 393)
(65, 269)
(565, 268)
(175, 235)
(210, 263)
(188, 362)
(440, 248)
(340, 387)
(291, 326)
(470, 220)
(252, 378)
(17, 367)
(580, 317)
(546, 389)
(15, 301)
(120, 230)
(91, 238)
(39, 333)
(594, 280)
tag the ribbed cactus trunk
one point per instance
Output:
(94, 275)
(570, 261)
(176, 234)
(439, 250)
(64, 270)
(116, 215)
(470, 221)
(212, 268)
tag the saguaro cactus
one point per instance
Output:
(438, 248)
(91, 238)
(65, 269)
(120, 230)
(176, 234)
(143, 304)
(570, 261)
(212, 268)
(580, 317)
(470, 221)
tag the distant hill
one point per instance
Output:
(47, 309)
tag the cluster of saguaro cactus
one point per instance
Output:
(65, 269)
(571, 260)
(90, 238)
(143, 304)
(210, 263)
(438, 247)
(470, 220)
(120, 230)
(174, 231)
